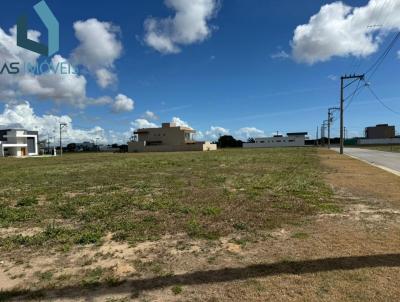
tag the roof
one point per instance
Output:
(13, 129)
(164, 126)
(380, 125)
(297, 133)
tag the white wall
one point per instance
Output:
(19, 140)
(378, 141)
(277, 142)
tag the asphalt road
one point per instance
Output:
(386, 160)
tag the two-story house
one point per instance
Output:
(18, 142)
(168, 138)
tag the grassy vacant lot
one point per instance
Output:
(81, 198)
(249, 225)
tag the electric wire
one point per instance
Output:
(381, 102)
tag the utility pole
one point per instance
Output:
(62, 125)
(48, 142)
(97, 146)
(342, 88)
(323, 127)
(330, 120)
(316, 137)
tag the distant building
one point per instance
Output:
(296, 139)
(18, 142)
(168, 138)
(380, 131)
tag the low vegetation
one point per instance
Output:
(249, 225)
(80, 198)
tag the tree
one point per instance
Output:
(228, 141)
(71, 147)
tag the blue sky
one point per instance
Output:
(244, 72)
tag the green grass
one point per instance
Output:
(138, 197)
(300, 235)
(177, 289)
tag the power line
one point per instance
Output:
(381, 102)
(374, 67)
(352, 96)
(379, 16)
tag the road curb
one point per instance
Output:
(375, 165)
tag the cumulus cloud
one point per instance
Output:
(341, 30)
(215, 132)
(249, 132)
(199, 135)
(122, 103)
(22, 115)
(105, 77)
(10, 51)
(55, 86)
(143, 123)
(188, 26)
(180, 122)
(68, 88)
(60, 87)
(99, 48)
(149, 115)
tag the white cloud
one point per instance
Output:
(179, 122)
(10, 51)
(280, 55)
(332, 77)
(104, 100)
(122, 103)
(215, 132)
(23, 115)
(188, 26)
(99, 48)
(199, 135)
(67, 88)
(249, 132)
(149, 115)
(143, 123)
(70, 88)
(341, 30)
(105, 77)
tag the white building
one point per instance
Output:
(297, 139)
(18, 142)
